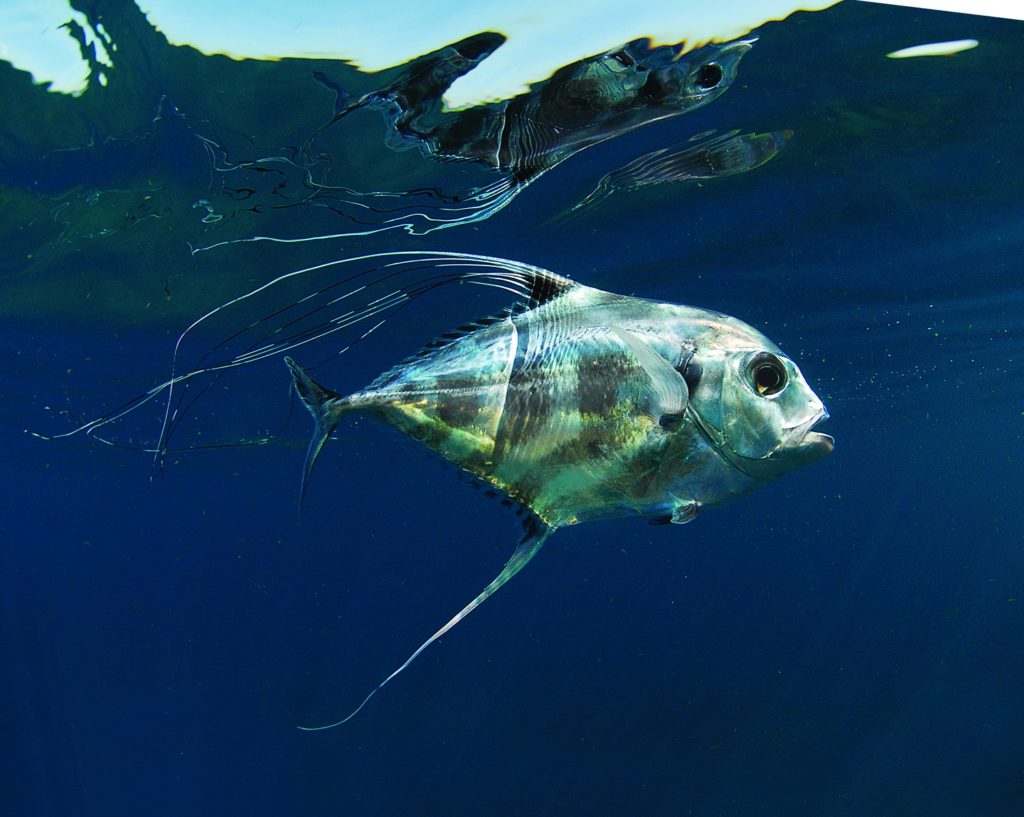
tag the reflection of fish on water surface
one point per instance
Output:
(584, 103)
(710, 157)
(575, 403)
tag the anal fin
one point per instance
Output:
(536, 532)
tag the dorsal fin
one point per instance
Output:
(468, 328)
(543, 287)
(318, 302)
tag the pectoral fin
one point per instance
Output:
(668, 395)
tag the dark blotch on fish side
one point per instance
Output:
(670, 422)
(596, 388)
(458, 411)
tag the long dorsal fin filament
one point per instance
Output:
(308, 305)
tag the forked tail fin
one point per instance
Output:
(327, 408)
(535, 533)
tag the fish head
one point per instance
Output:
(695, 78)
(637, 78)
(753, 402)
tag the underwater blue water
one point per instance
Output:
(846, 641)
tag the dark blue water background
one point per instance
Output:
(847, 641)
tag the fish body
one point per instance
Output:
(592, 405)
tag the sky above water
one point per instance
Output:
(542, 36)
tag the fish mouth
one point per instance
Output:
(800, 446)
(730, 55)
(814, 444)
(818, 445)
(742, 46)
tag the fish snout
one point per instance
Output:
(813, 445)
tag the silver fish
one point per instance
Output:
(590, 405)
(584, 103)
(581, 104)
(576, 404)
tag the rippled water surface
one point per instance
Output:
(846, 641)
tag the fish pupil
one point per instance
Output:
(767, 378)
(709, 76)
(476, 47)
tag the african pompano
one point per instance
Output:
(589, 405)
(576, 403)
(583, 104)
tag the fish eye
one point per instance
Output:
(767, 375)
(709, 75)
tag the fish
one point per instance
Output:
(583, 104)
(589, 405)
(572, 404)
